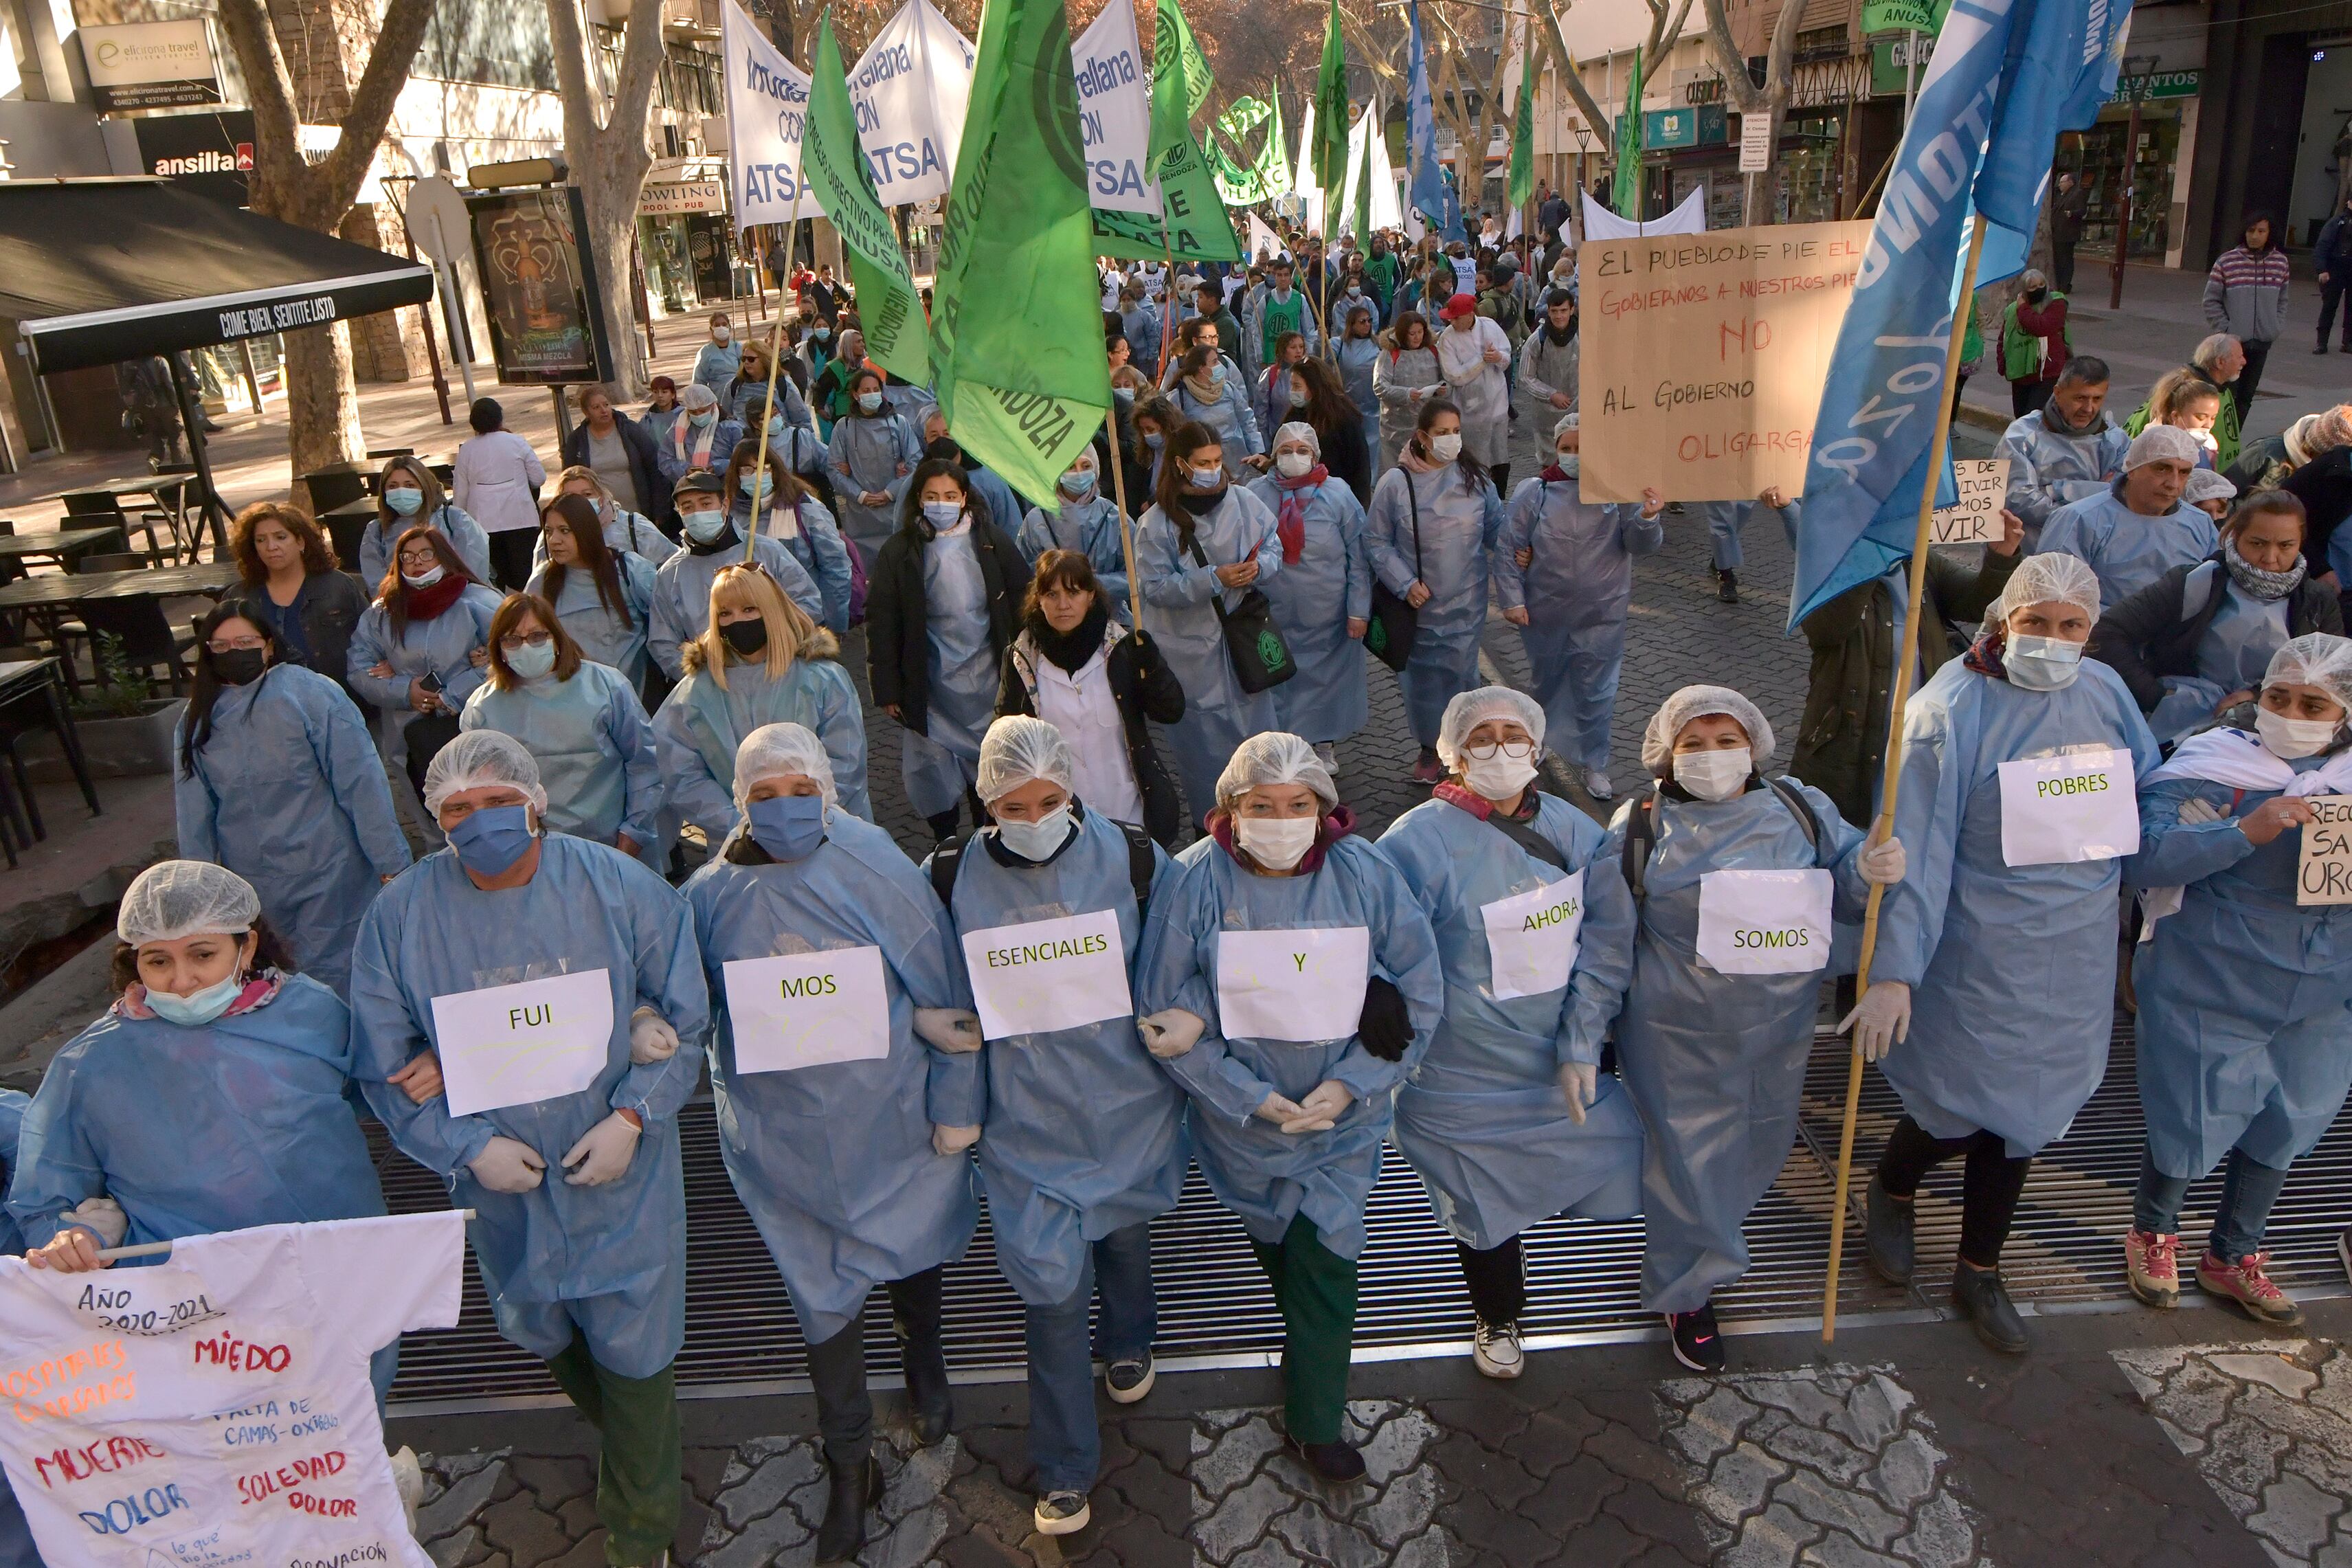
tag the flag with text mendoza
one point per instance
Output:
(1022, 377)
(1429, 192)
(837, 173)
(767, 109)
(2008, 76)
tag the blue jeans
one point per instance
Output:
(1065, 1441)
(2248, 1191)
(1724, 519)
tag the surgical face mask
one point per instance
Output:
(1500, 776)
(424, 579)
(1079, 482)
(1445, 447)
(1292, 464)
(704, 526)
(753, 484)
(1355, 290)
(869, 402)
(2287, 739)
(489, 841)
(746, 638)
(790, 827)
(1276, 843)
(532, 659)
(1152, 440)
(1208, 479)
(240, 666)
(1570, 463)
(701, 419)
(193, 1012)
(2042, 664)
(822, 334)
(406, 502)
(1713, 775)
(943, 514)
(721, 334)
(776, 427)
(1037, 840)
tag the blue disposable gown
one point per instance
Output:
(1268, 1176)
(608, 1260)
(464, 535)
(1314, 597)
(682, 592)
(1356, 358)
(700, 726)
(835, 1161)
(872, 454)
(2012, 969)
(1090, 527)
(238, 1122)
(1227, 414)
(2244, 1041)
(815, 543)
(288, 794)
(1716, 1062)
(2127, 551)
(1084, 1132)
(1218, 714)
(14, 1103)
(593, 744)
(1483, 1117)
(1459, 522)
(940, 761)
(623, 529)
(2048, 470)
(605, 637)
(1577, 592)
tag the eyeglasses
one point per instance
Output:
(237, 645)
(1485, 750)
(418, 560)
(533, 639)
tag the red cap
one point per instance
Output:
(1456, 307)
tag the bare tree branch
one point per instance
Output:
(1570, 78)
(1770, 100)
(373, 102)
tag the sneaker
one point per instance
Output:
(1063, 1513)
(1336, 1463)
(1330, 757)
(1696, 1344)
(1129, 1378)
(1427, 769)
(1494, 1349)
(408, 1480)
(2245, 1283)
(2320, 349)
(1727, 587)
(2153, 1263)
(1597, 785)
(1984, 1302)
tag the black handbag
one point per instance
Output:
(1395, 623)
(1261, 658)
(425, 735)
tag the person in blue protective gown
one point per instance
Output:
(1086, 1138)
(1322, 597)
(2067, 450)
(844, 1120)
(408, 496)
(1202, 545)
(569, 1159)
(1563, 573)
(1292, 984)
(1736, 881)
(621, 529)
(1998, 957)
(1508, 1118)
(580, 720)
(874, 451)
(16, 1548)
(681, 607)
(791, 514)
(1082, 518)
(2244, 1043)
(759, 661)
(2140, 527)
(1726, 522)
(1433, 520)
(276, 779)
(604, 596)
(416, 653)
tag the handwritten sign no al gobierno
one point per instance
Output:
(2323, 874)
(1705, 354)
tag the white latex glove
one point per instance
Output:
(2197, 811)
(1882, 1020)
(651, 1039)
(1171, 1032)
(1579, 1082)
(508, 1165)
(1882, 863)
(102, 1217)
(951, 1029)
(603, 1153)
(953, 1139)
(1279, 1109)
(1324, 1105)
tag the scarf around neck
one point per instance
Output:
(1291, 517)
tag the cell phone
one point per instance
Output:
(430, 682)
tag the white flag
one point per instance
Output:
(1387, 210)
(1343, 218)
(912, 89)
(767, 109)
(1263, 241)
(1115, 113)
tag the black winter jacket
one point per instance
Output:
(1143, 687)
(2152, 634)
(898, 617)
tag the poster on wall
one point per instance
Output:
(539, 287)
(150, 65)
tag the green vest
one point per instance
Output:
(1277, 317)
(2020, 351)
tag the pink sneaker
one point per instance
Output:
(2245, 1283)
(1427, 769)
(2152, 1262)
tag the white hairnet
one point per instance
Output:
(1699, 702)
(1297, 430)
(1018, 749)
(174, 899)
(695, 398)
(1563, 425)
(1471, 709)
(776, 749)
(2205, 485)
(1276, 757)
(2057, 578)
(2160, 443)
(2314, 659)
(478, 759)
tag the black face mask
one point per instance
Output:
(944, 449)
(746, 638)
(2035, 296)
(240, 666)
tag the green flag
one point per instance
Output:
(890, 310)
(1180, 79)
(1626, 193)
(1521, 184)
(1274, 158)
(1022, 381)
(1236, 185)
(1904, 15)
(1195, 227)
(1332, 112)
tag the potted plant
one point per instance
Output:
(124, 727)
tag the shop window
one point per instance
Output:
(1813, 168)
(2102, 174)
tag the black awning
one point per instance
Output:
(93, 271)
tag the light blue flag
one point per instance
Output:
(2007, 77)
(1430, 193)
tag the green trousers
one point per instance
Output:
(1316, 1288)
(639, 1472)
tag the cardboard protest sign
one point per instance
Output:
(2323, 874)
(1975, 519)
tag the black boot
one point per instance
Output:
(1727, 585)
(1889, 1235)
(1984, 1302)
(854, 1490)
(915, 1315)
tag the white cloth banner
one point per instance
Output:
(1764, 923)
(1115, 113)
(1263, 241)
(1045, 975)
(808, 1009)
(518, 1045)
(912, 89)
(1388, 208)
(1532, 937)
(2077, 805)
(1306, 984)
(767, 111)
(1344, 220)
(1690, 217)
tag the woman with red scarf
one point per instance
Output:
(418, 653)
(1322, 597)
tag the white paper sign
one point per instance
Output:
(2077, 806)
(1755, 143)
(1975, 519)
(1301, 984)
(1035, 978)
(1531, 937)
(1115, 113)
(1764, 923)
(517, 1044)
(807, 1009)
(2323, 873)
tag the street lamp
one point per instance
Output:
(1583, 140)
(2138, 71)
